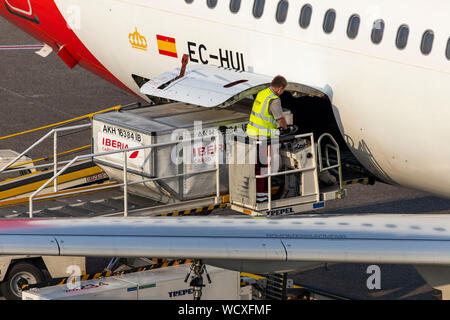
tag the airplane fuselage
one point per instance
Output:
(389, 103)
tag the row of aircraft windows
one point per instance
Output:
(329, 21)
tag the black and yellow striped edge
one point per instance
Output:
(198, 211)
(32, 183)
(194, 211)
(205, 210)
(356, 181)
(159, 264)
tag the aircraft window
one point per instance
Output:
(282, 10)
(189, 1)
(305, 16)
(258, 8)
(402, 37)
(427, 42)
(353, 26)
(447, 52)
(211, 3)
(377, 31)
(328, 22)
(235, 5)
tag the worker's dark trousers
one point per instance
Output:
(261, 167)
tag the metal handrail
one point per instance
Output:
(68, 192)
(338, 153)
(282, 173)
(327, 156)
(125, 169)
(271, 174)
(300, 136)
(53, 132)
(45, 165)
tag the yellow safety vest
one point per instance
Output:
(261, 122)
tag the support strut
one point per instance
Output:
(197, 268)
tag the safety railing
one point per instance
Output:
(54, 133)
(271, 174)
(126, 184)
(336, 149)
(11, 168)
(58, 124)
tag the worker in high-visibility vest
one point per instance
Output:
(266, 116)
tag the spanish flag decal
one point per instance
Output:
(167, 46)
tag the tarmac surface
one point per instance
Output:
(36, 91)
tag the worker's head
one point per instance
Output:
(278, 85)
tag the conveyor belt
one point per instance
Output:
(81, 174)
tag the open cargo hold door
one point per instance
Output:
(210, 86)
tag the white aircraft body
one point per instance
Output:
(389, 103)
(383, 65)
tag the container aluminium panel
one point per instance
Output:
(163, 119)
(212, 117)
(150, 125)
(164, 110)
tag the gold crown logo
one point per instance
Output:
(138, 41)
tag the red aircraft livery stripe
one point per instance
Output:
(53, 30)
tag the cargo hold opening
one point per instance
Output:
(315, 114)
(312, 114)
